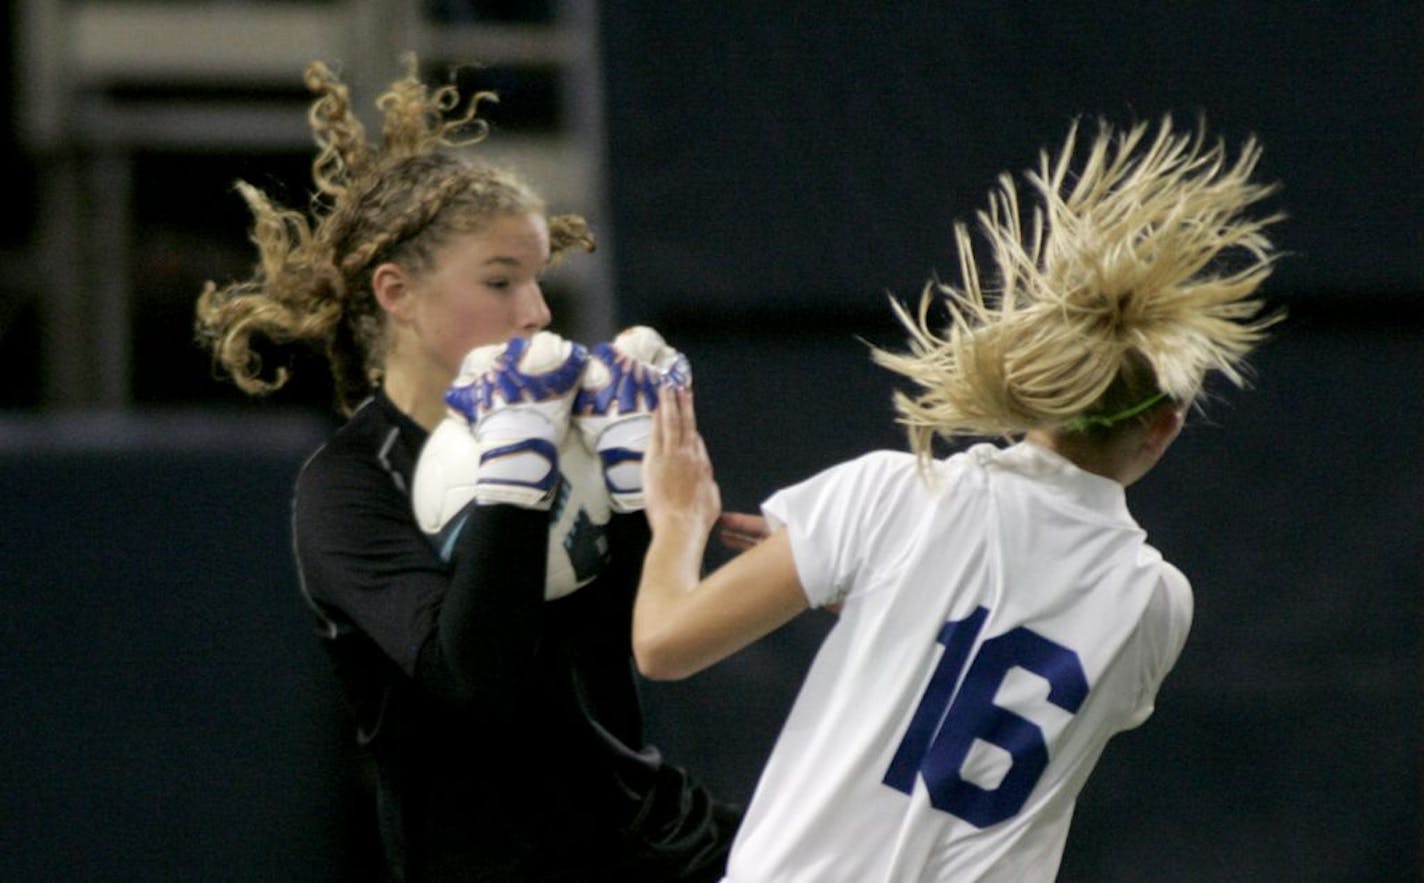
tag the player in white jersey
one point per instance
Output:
(1001, 614)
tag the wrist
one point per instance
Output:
(677, 544)
(678, 526)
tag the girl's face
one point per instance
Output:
(483, 288)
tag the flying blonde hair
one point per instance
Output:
(1132, 280)
(398, 200)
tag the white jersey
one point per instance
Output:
(995, 631)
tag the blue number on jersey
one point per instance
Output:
(946, 723)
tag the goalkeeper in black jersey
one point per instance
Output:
(504, 727)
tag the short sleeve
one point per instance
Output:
(1180, 608)
(829, 518)
(1165, 627)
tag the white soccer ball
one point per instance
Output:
(444, 489)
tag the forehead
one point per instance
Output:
(510, 238)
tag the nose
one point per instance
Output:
(534, 314)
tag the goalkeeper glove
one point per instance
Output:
(613, 408)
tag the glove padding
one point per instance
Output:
(616, 398)
(513, 400)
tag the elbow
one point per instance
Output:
(465, 684)
(658, 660)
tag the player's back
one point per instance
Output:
(996, 630)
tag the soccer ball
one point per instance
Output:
(444, 490)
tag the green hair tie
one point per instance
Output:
(1084, 422)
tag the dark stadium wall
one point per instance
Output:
(813, 155)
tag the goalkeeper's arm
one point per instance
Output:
(490, 620)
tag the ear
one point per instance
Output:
(1162, 429)
(393, 289)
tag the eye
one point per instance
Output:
(498, 284)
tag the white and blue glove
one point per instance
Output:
(508, 411)
(613, 408)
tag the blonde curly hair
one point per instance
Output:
(399, 201)
(1133, 279)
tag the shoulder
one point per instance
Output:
(873, 470)
(1170, 580)
(849, 480)
(875, 483)
(1176, 591)
(834, 515)
(887, 474)
(352, 460)
(1169, 612)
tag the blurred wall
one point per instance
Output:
(814, 154)
(168, 712)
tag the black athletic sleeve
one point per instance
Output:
(488, 625)
(466, 634)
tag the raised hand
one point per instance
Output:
(678, 484)
(508, 410)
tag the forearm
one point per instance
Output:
(611, 613)
(671, 572)
(684, 624)
(489, 623)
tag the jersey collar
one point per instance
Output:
(1052, 469)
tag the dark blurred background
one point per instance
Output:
(763, 177)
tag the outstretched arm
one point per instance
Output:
(683, 623)
(739, 531)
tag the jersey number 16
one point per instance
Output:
(946, 723)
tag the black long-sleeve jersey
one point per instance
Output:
(505, 729)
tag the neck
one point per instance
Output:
(420, 394)
(1106, 460)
